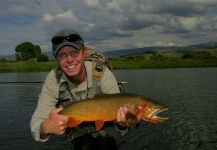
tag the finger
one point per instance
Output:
(58, 110)
(62, 130)
(122, 115)
(125, 109)
(62, 123)
(118, 115)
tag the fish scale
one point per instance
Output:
(103, 108)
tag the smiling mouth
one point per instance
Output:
(71, 67)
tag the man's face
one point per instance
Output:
(71, 61)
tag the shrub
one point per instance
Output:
(42, 58)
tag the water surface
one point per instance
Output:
(191, 95)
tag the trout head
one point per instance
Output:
(148, 111)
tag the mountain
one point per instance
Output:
(124, 52)
(118, 53)
(211, 44)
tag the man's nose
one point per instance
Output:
(70, 58)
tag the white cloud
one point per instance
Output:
(92, 3)
(190, 23)
(114, 6)
(109, 24)
(65, 16)
(67, 19)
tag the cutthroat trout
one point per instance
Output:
(103, 108)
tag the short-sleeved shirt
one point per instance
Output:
(50, 93)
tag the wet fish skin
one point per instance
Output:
(103, 108)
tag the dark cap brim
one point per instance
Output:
(65, 43)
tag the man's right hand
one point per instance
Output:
(54, 124)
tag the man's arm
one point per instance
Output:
(109, 83)
(45, 112)
(109, 86)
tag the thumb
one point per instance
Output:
(57, 110)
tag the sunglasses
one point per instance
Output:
(70, 38)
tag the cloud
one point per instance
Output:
(61, 20)
(109, 24)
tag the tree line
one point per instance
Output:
(27, 50)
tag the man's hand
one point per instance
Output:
(125, 118)
(55, 123)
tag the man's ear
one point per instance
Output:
(85, 51)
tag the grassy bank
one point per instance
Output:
(27, 66)
(117, 63)
(124, 63)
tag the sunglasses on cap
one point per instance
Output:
(70, 38)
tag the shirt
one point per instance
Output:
(50, 94)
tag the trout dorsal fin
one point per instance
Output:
(72, 122)
(99, 124)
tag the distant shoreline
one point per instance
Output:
(164, 63)
(117, 64)
(166, 58)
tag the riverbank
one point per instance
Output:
(27, 66)
(117, 63)
(127, 63)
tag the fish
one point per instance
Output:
(103, 108)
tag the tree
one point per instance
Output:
(3, 60)
(27, 50)
(42, 58)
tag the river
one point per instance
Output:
(190, 93)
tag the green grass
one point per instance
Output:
(117, 63)
(162, 63)
(27, 66)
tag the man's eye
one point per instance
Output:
(63, 55)
(74, 54)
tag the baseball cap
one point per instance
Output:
(66, 37)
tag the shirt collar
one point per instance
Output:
(88, 67)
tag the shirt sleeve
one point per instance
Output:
(109, 83)
(109, 86)
(47, 100)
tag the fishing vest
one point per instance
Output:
(66, 97)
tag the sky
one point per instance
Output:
(108, 24)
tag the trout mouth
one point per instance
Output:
(153, 118)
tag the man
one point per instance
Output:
(75, 79)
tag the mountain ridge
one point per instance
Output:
(118, 53)
(124, 52)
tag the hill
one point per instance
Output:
(134, 51)
(209, 46)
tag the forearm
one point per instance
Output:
(47, 100)
(36, 131)
(40, 115)
(44, 134)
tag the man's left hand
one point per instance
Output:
(125, 118)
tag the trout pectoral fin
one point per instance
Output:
(99, 124)
(72, 122)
